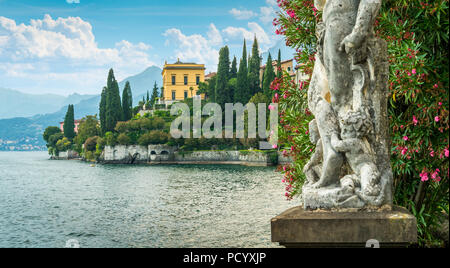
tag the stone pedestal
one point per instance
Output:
(299, 228)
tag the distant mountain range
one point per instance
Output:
(49, 109)
(17, 104)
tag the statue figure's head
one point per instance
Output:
(355, 124)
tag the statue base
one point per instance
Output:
(300, 228)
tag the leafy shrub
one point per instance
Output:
(91, 144)
(153, 137)
(123, 139)
(122, 127)
(110, 139)
(63, 144)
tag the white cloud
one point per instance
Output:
(64, 48)
(195, 47)
(73, 1)
(214, 35)
(239, 33)
(267, 14)
(272, 2)
(242, 14)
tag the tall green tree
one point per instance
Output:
(269, 76)
(113, 104)
(211, 89)
(88, 127)
(233, 70)
(127, 102)
(279, 71)
(222, 94)
(49, 131)
(102, 112)
(69, 123)
(148, 97)
(242, 93)
(154, 95)
(253, 69)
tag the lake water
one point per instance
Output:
(45, 203)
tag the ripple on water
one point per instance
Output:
(44, 203)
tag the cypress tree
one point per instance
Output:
(242, 93)
(148, 97)
(127, 102)
(113, 104)
(69, 123)
(269, 76)
(233, 71)
(253, 69)
(154, 94)
(102, 112)
(279, 71)
(222, 94)
(212, 89)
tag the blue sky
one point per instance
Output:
(63, 47)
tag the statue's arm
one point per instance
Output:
(346, 145)
(367, 12)
(320, 4)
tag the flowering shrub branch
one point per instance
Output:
(417, 37)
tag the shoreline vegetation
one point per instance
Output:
(120, 126)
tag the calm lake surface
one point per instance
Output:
(45, 203)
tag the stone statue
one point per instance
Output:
(348, 97)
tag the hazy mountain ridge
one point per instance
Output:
(14, 103)
(29, 129)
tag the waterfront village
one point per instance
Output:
(127, 134)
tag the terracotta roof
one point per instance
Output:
(76, 121)
(274, 62)
(210, 75)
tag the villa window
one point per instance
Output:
(173, 94)
(289, 69)
(185, 80)
(197, 80)
(185, 95)
(173, 79)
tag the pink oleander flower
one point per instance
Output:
(446, 152)
(435, 175)
(437, 119)
(413, 71)
(440, 103)
(432, 153)
(271, 107)
(424, 176)
(415, 121)
(405, 138)
(435, 86)
(274, 146)
(292, 148)
(404, 151)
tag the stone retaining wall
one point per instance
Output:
(159, 154)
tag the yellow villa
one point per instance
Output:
(181, 80)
